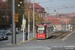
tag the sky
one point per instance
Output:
(3, 0)
(65, 6)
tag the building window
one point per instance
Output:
(37, 10)
(40, 15)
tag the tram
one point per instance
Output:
(44, 31)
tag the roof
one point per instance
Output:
(58, 22)
(70, 14)
(36, 5)
(51, 16)
(0, 1)
(63, 16)
(3, 2)
(64, 20)
(73, 14)
(38, 8)
(55, 21)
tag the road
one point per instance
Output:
(48, 44)
(19, 38)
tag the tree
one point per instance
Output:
(72, 20)
(3, 7)
(38, 19)
(19, 9)
(6, 11)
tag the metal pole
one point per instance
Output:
(28, 24)
(13, 23)
(23, 29)
(66, 24)
(33, 18)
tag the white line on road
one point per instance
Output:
(61, 46)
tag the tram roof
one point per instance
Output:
(46, 24)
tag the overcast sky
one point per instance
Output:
(65, 6)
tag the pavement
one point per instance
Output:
(19, 39)
(48, 44)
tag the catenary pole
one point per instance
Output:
(66, 24)
(13, 23)
(28, 24)
(33, 17)
(23, 29)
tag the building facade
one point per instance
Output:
(39, 9)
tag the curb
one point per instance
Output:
(19, 43)
(33, 38)
(67, 36)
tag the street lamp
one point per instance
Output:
(20, 2)
(66, 21)
(18, 5)
(23, 21)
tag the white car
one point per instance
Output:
(21, 29)
(8, 32)
(59, 30)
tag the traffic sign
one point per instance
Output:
(16, 20)
(47, 9)
(16, 14)
(54, 10)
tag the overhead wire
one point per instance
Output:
(57, 3)
(47, 1)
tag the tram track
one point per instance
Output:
(59, 35)
(56, 36)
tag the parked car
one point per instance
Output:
(22, 29)
(0, 37)
(2, 31)
(16, 31)
(3, 36)
(66, 30)
(8, 32)
(59, 30)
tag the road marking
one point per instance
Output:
(27, 48)
(62, 46)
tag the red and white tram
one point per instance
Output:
(44, 31)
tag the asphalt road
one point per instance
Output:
(48, 44)
(19, 38)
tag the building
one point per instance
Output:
(38, 9)
(3, 1)
(58, 24)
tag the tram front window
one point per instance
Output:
(41, 29)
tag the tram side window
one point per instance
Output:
(45, 30)
(48, 29)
